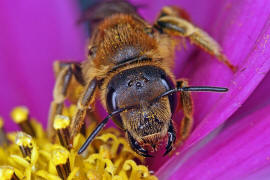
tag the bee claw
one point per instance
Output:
(171, 139)
(167, 150)
(136, 147)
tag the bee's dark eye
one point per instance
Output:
(167, 82)
(111, 100)
(112, 105)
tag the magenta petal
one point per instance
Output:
(246, 45)
(33, 34)
(240, 150)
(242, 125)
(259, 98)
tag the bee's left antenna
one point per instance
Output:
(194, 88)
(98, 128)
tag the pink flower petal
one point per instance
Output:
(239, 151)
(258, 99)
(256, 103)
(34, 34)
(247, 45)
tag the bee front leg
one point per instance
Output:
(187, 106)
(175, 21)
(83, 105)
(63, 75)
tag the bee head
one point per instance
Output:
(140, 87)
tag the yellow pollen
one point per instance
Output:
(20, 114)
(59, 155)
(61, 122)
(109, 156)
(23, 139)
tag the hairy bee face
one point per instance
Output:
(140, 87)
(149, 122)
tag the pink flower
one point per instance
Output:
(231, 137)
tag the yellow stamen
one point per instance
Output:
(18, 160)
(61, 124)
(20, 115)
(108, 157)
(59, 155)
(60, 158)
(25, 143)
(8, 173)
(44, 174)
(23, 139)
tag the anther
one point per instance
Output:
(20, 115)
(25, 143)
(8, 173)
(60, 158)
(61, 125)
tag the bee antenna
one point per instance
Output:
(99, 128)
(203, 89)
(194, 88)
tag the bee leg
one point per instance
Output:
(174, 11)
(59, 95)
(83, 106)
(136, 147)
(63, 72)
(58, 66)
(172, 22)
(171, 139)
(187, 106)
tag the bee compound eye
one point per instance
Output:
(112, 106)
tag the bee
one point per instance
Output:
(129, 67)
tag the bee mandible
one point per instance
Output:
(129, 67)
